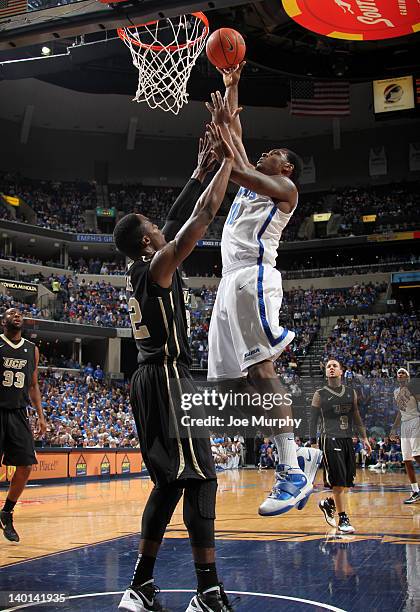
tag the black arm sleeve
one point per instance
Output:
(313, 425)
(182, 208)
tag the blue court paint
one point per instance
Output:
(348, 575)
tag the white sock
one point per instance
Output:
(286, 449)
(415, 487)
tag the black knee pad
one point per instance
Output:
(200, 512)
(206, 499)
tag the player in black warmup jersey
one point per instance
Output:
(178, 463)
(335, 405)
(18, 384)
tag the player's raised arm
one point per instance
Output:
(231, 80)
(167, 259)
(271, 175)
(183, 206)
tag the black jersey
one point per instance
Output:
(158, 317)
(17, 365)
(336, 411)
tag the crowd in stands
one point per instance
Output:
(302, 309)
(375, 346)
(90, 303)
(58, 361)
(386, 452)
(79, 266)
(78, 302)
(83, 411)
(371, 350)
(228, 453)
(24, 259)
(96, 266)
(57, 205)
(395, 206)
(28, 310)
(383, 263)
(140, 198)
(100, 303)
(324, 301)
(61, 205)
(299, 271)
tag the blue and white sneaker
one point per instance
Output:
(309, 460)
(291, 490)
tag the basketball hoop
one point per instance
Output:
(164, 52)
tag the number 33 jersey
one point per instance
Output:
(158, 317)
(17, 365)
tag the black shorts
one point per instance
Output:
(339, 461)
(170, 452)
(16, 440)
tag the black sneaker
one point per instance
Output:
(328, 508)
(344, 525)
(142, 599)
(6, 523)
(413, 499)
(211, 600)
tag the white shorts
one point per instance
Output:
(410, 439)
(244, 327)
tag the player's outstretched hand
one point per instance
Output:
(231, 76)
(219, 145)
(220, 110)
(206, 156)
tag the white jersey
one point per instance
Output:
(252, 231)
(407, 404)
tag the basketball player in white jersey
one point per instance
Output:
(245, 336)
(408, 416)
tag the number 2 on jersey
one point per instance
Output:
(140, 332)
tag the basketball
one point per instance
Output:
(225, 48)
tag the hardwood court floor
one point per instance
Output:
(55, 518)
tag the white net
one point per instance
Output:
(164, 52)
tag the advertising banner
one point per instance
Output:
(98, 463)
(356, 19)
(50, 465)
(130, 462)
(393, 94)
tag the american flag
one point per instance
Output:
(320, 98)
(12, 7)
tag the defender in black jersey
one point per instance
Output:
(18, 386)
(335, 406)
(178, 463)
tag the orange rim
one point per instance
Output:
(124, 34)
